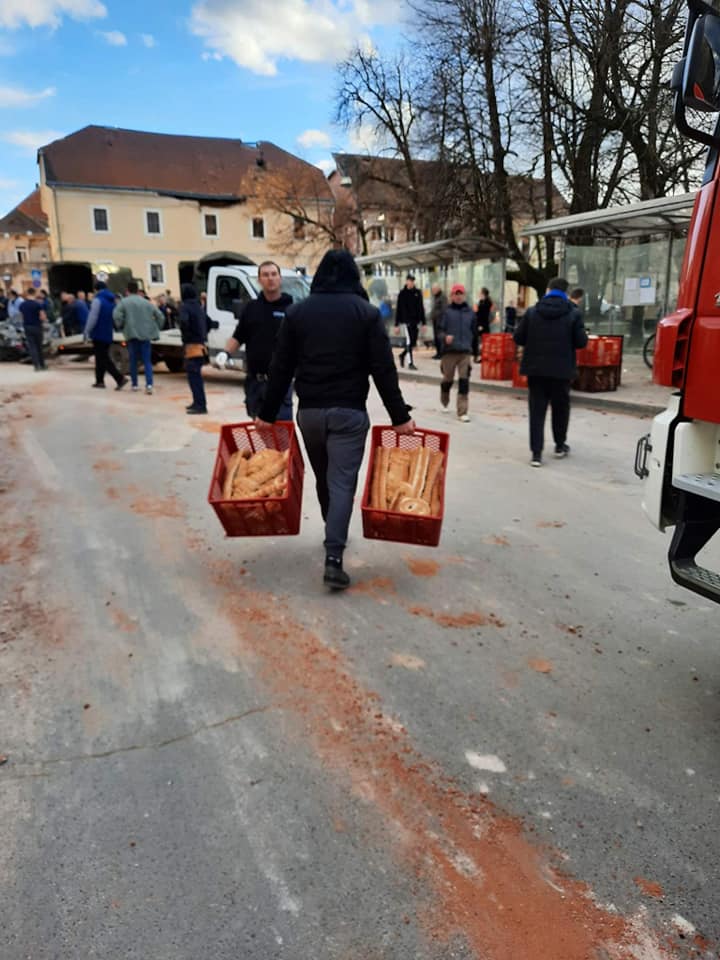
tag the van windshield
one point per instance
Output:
(297, 286)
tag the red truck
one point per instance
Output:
(679, 459)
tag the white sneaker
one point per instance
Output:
(444, 409)
(465, 418)
(148, 389)
(135, 388)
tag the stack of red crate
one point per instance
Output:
(518, 379)
(599, 365)
(498, 354)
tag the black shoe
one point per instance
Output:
(436, 356)
(562, 450)
(122, 383)
(99, 386)
(195, 410)
(334, 576)
(401, 358)
(411, 366)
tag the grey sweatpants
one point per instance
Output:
(335, 443)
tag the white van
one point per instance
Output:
(233, 284)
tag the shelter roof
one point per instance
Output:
(415, 255)
(661, 215)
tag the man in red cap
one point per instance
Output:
(458, 334)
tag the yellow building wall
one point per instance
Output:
(127, 243)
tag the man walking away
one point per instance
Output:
(74, 314)
(257, 328)
(140, 322)
(33, 317)
(99, 329)
(409, 314)
(192, 321)
(439, 303)
(550, 333)
(459, 333)
(332, 342)
(484, 309)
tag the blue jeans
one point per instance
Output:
(255, 395)
(193, 368)
(335, 443)
(140, 350)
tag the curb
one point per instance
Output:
(591, 400)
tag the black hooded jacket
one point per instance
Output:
(550, 332)
(192, 318)
(332, 342)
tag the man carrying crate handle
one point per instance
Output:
(332, 342)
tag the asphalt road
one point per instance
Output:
(502, 748)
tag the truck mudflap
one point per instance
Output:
(696, 483)
(653, 461)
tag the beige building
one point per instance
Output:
(156, 203)
(24, 244)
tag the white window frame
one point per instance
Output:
(252, 228)
(93, 208)
(211, 236)
(156, 283)
(145, 221)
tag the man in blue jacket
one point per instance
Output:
(458, 337)
(550, 333)
(99, 329)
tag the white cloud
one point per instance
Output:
(313, 31)
(365, 139)
(17, 97)
(47, 13)
(327, 166)
(148, 39)
(30, 140)
(9, 184)
(314, 138)
(114, 37)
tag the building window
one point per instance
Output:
(21, 254)
(156, 272)
(298, 228)
(415, 235)
(100, 220)
(258, 228)
(153, 225)
(210, 224)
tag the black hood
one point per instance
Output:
(188, 291)
(337, 273)
(554, 306)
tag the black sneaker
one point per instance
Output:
(562, 450)
(411, 366)
(195, 410)
(334, 576)
(99, 386)
(122, 383)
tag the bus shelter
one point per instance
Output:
(473, 261)
(626, 258)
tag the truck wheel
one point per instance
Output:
(119, 356)
(174, 364)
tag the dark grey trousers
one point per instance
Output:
(335, 443)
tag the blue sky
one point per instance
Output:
(254, 69)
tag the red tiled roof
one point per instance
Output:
(32, 207)
(26, 217)
(212, 167)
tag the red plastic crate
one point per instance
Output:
(600, 352)
(518, 379)
(400, 527)
(496, 369)
(498, 346)
(596, 379)
(271, 516)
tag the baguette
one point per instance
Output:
(232, 467)
(382, 466)
(375, 483)
(433, 474)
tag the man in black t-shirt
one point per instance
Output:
(34, 317)
(257, 328)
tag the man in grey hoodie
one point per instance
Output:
(140, 321)
(458, 336)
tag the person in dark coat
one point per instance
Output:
(332, 342)
(193, 324)
(457, 327)
(409, 314)
(34, 317)
(439, 303)
(550, 333)
(484, 309)
(99, 328)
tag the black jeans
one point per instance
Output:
(541, 392)
(335, 443)
(34, 341)
(193, 368)
(104, 364)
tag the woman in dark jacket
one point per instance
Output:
(193, 325)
